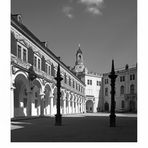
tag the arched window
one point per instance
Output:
(132, 89)
(122, 90)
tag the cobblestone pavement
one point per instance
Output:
(91, 127)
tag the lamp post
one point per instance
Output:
(113, 77)
(58, 116)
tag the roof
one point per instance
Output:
(26, 32)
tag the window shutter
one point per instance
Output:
(30, 56)
(13, 45)
(43, 63)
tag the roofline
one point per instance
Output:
(26, 32)
(121, 70)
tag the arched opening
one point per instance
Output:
(21, 106)
(106, 107)
(62, 102)
(122, 90)
(47, 100)
(132, 88)
(89, 106)
(55, 101)
(67, 96)
(132, 107)
(36, 98)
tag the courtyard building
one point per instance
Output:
(38, 96)
(126, 91)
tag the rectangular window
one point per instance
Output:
(24, 55)
(19, 51)
(49, 70)
(69, 81)
(73, 84)
(120, 78)
(65, 78)
(130, 77)
(46, 68)
(97, 83)
(88, 82)
(123, 78)
(39, 64)
(35, 61)
(133, 77)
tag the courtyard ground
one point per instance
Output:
(76, 128)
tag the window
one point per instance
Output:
(122, 90)
(49, 69)
(65, 78)
(73, 84)
(97, 83)
(122, 78)
(19, 51)
(132, 77)
(106, 81)
(69, 81)
(88, 82)
(132, 89)
(37, 62)
(106, 91)
(46, 67)
(24, 55)
(122, 104)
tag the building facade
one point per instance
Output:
(37, 96)
(126, 91)
(92, 91)
(92, 82)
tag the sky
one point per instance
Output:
(105, 29)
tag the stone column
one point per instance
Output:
(29, 96)
(12, 101)
(72, 104)
(51, 105)
(42, 104)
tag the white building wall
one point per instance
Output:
(93, 89)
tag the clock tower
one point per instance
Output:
(79, 66)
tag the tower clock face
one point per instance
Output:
(80, 68)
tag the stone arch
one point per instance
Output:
(89, 106)
(21, 95)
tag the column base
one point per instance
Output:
(112, 120)
(58, 119)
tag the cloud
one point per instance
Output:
(93, 6)
(67, 10)
(94, 10)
